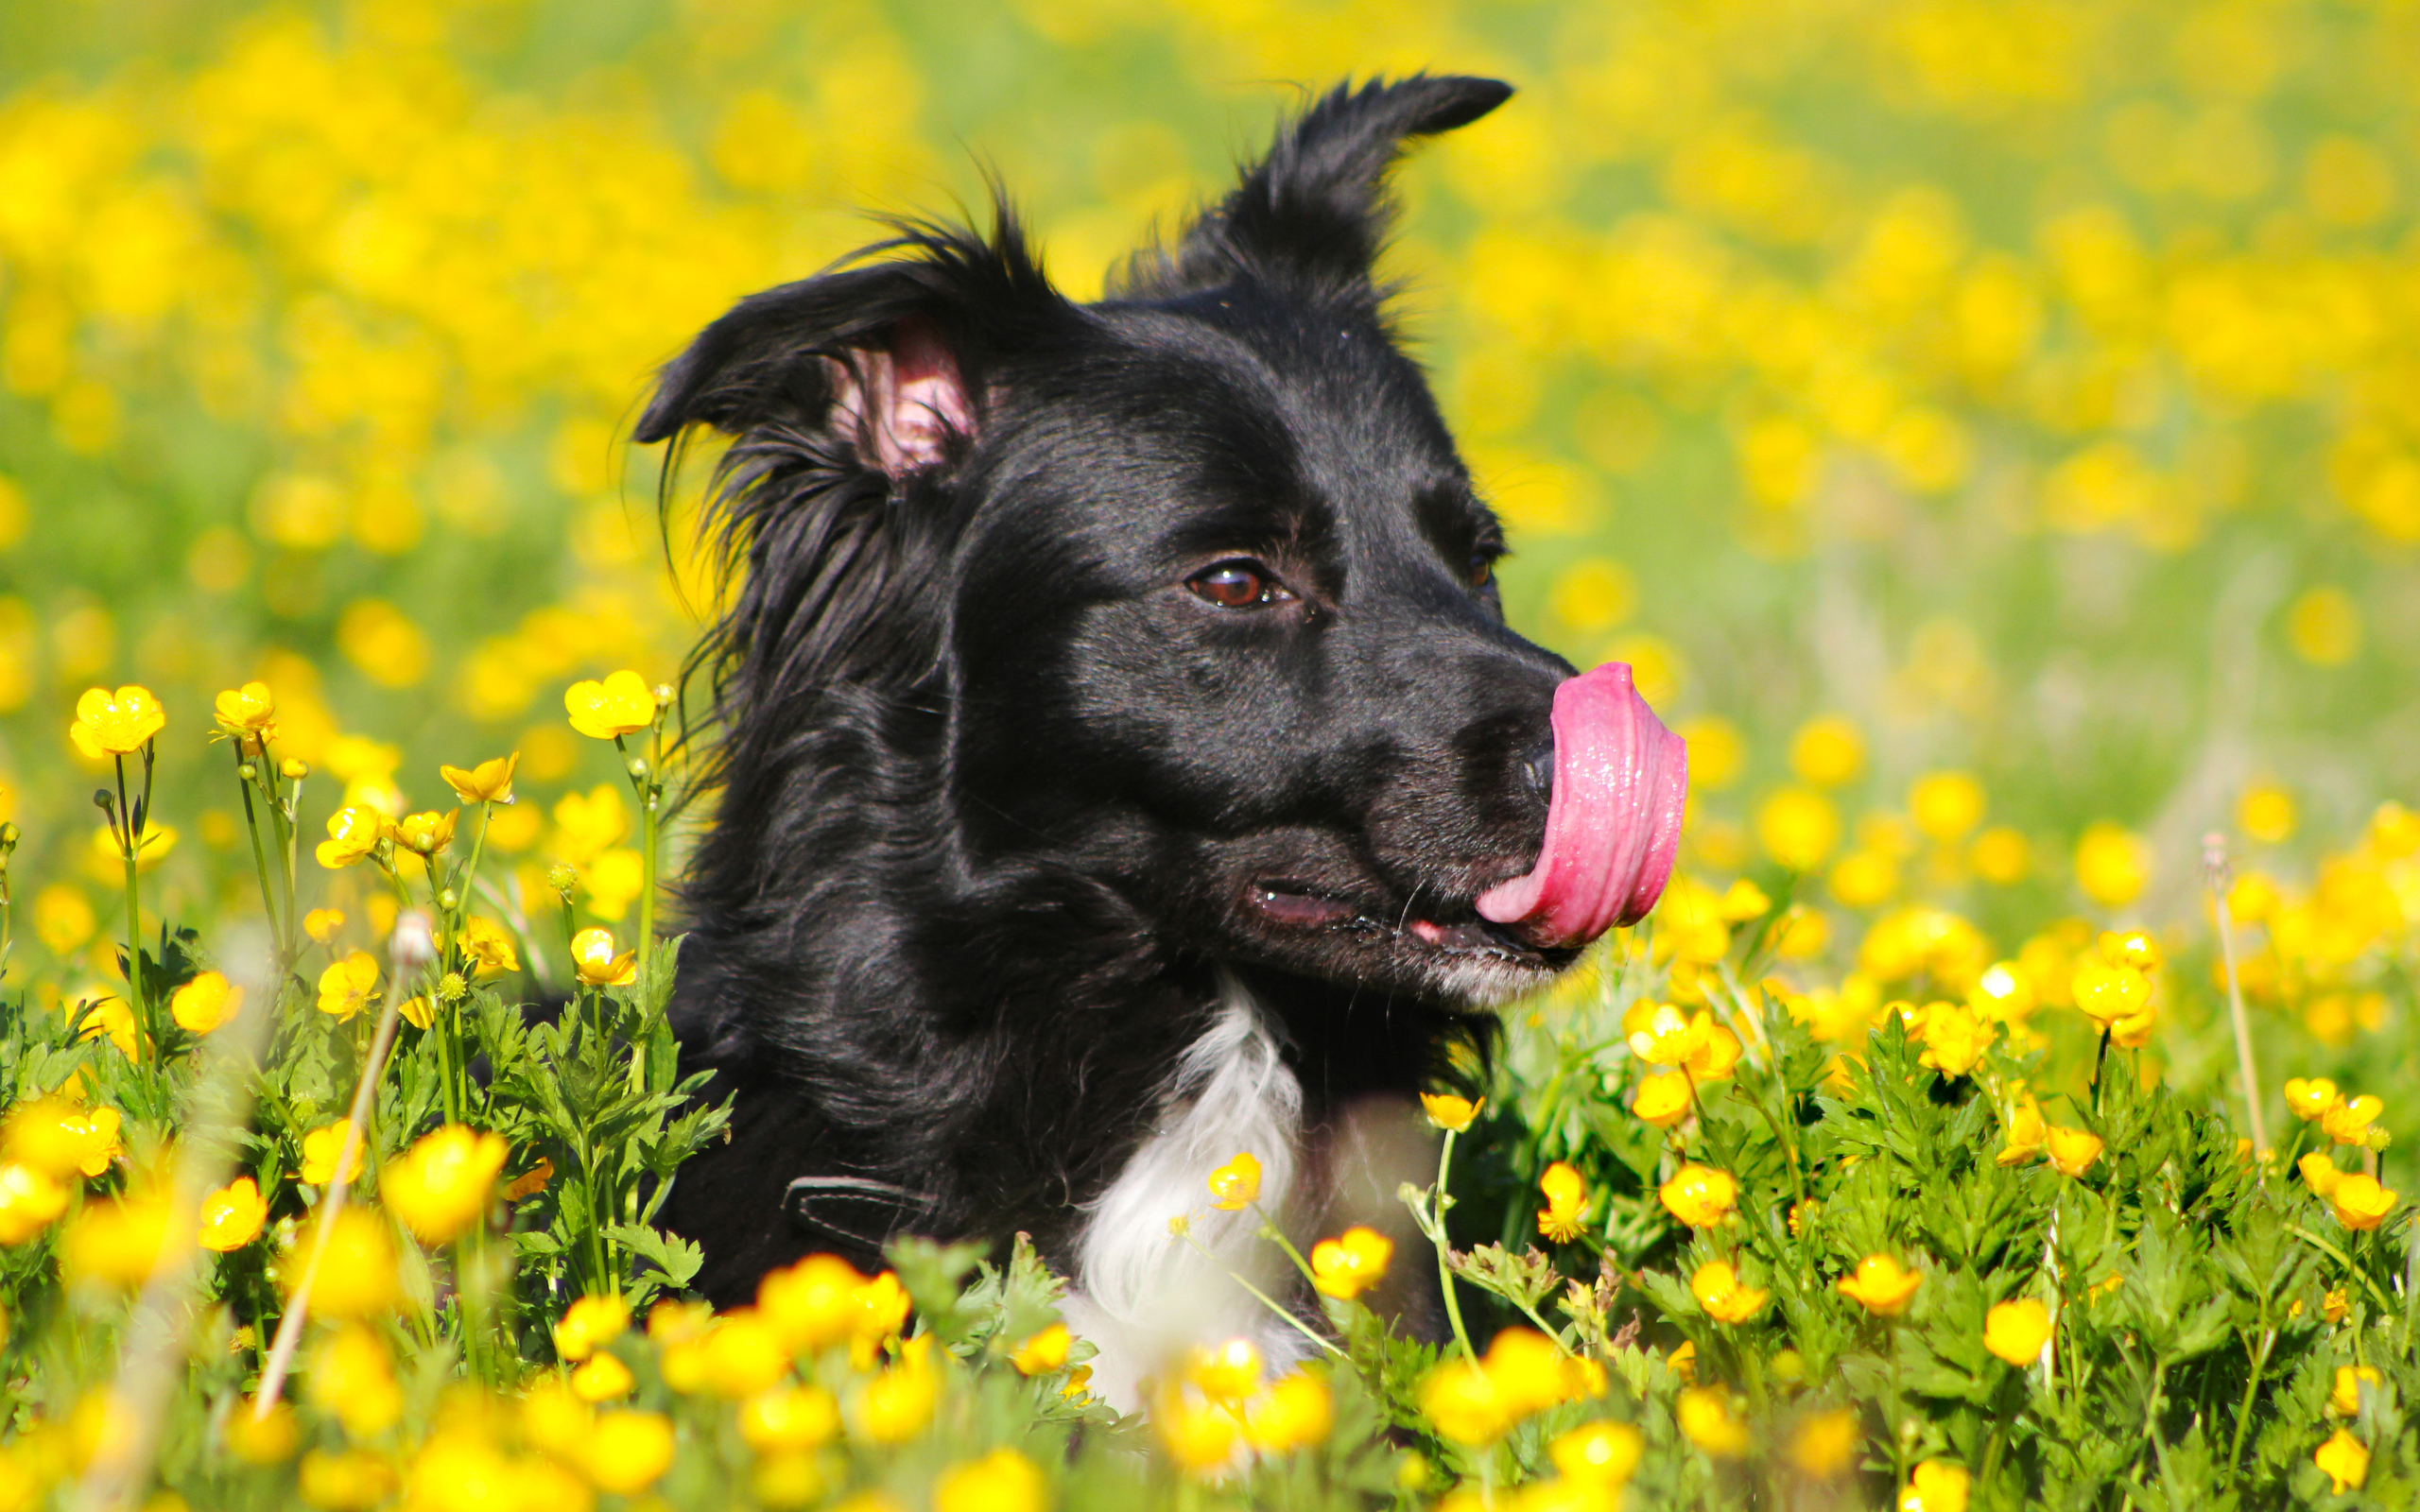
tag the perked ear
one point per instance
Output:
(871, 367)
(1316, 211)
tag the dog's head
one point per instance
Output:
(1185, 593)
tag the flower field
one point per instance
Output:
(1991, 432)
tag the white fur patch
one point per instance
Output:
(1143, 1296)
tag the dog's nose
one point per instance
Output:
(1537, 771)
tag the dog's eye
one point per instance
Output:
(1238, 584)
(1482, 571)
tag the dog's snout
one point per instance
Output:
(1537, 771)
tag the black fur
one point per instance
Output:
(998, 792)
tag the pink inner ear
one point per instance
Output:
(904, 402)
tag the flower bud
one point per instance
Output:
(449, 899)
(105, 801)
(8, 835)
(295, 768)
(248, 771)
(638, 767)
(562, 878)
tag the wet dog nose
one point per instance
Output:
(1537, 771)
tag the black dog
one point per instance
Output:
(1119, 724)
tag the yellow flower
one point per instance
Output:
(789, 1417)
(352, 1379)
(113, 1018)
(1002, 1481)
(2003, 993)
(621, 705)
(1346, 1267)
(232, 1216)
(604, 1378)
(592, 955)
(2345, 1397)
(1668, 1037)
(117, 1241)
(822, 1301)
(355, 1480)
(1236, 1185)
(1825, 1444)
(2131, 947)
(1935, 1485)
(415, 1011)
(2334, 1306)
(1715, 1056)
(2308, 1100)
(1601, 1453)
(1663, 1099)
(1798, 829)
(1707, 1419)
(425, 835)
(2112, 865)
(1228, 1372)
(347, 986)
(440, 1185)
(322, 923)
(1955, 1037)
(742, 1356)
(1725, 1298)
(1043, 1352)
(1880, 1285)
(2106, 993)
(628, 1452)
(62, 1140)
(115, 723)
(205, 1003)
(1700, 1196)
(1197, 1434)
(1448, 1111)
(1294, 1413)
(2348, 1123)
(1566, 1197)
(357, 1274)
(895, 1405)
(1683, 1361)
(2344, 1461)
(491, 782)
(269, 1440)
(490, 948)
(352, 834)
(30, 1201)
(2072, 1150)
(2022, 1137)
(2360, 1202)
(2320, 1171)
(590, 1323)
(321, 1148)
(2017, 1330)
(249, 713)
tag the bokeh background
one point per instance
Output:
(2030, 392)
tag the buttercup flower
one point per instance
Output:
(348, 985)
(60, 1138)
(628, 1452)
(623, 704)
(1715, 1056)
(1880, 1285)
(1700, 1196)
(2349, 1122)
(358, 1273)
(1707, 1419)
(117, 1241)
(1294, 1413)
(1199, 1435)
(352, 834)
(30, 1201)
(490, 948)
(1725, 1298)
(2320, 1172)
(440, 1185)
(322, 923)
(1935, 1485)
(593, 957)
(1566, 1197)
(115, 723)
(2107, 993)
(789, 1417)
(1044, 1352)
(1663, 1099)
(1955, 1037)
(1346, 1267)
(1825, 1444)
(2072, 1150)
(1225, 1372)
(2311, 1099)
(491, 782)
(249, 714)
(205, 1003)
(320, 1149)
(232, 1216)
(2023, 1137)
(1236, 1185)
(2360, 1202)
(1002, 1481)
(2345, 1460)
(1448, 1111)
(1668, 1037)
(590, 1323)
(1602, 1453)
(896, 1404)
(425, 835)
(2017, 1330)
(2344, 1396)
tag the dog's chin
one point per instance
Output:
(1448, 954)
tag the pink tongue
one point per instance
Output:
(1622, 780)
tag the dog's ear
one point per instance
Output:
(876, 366)
(1316, 211)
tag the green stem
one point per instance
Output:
(260, 855)
(1264, 1298)
(130, 839)
(288, 834)
(650, 791)
(2251, 1391)
(1444, 1267)
(2386, 1308)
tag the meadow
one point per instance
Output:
(1992, 432)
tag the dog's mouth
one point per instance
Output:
(1451, 929)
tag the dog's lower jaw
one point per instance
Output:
(1141, 1294)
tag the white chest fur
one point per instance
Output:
(1143, 1296)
